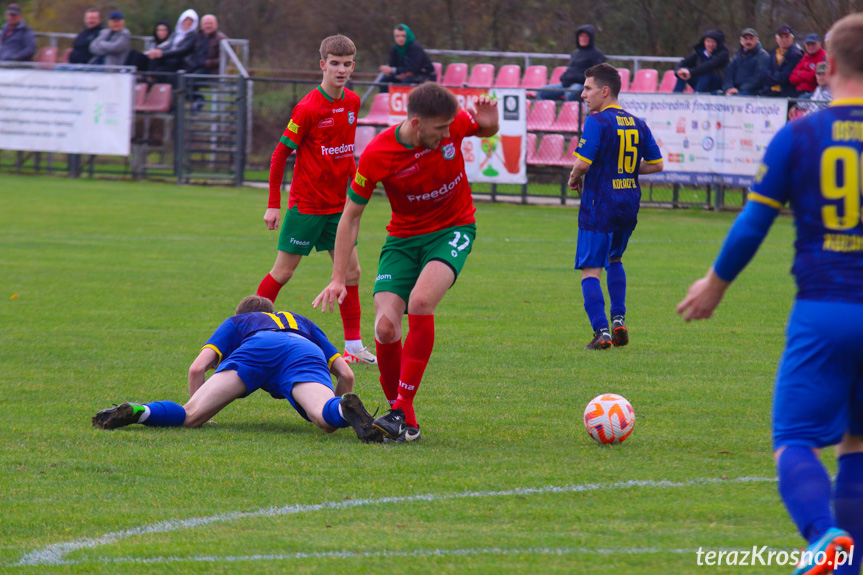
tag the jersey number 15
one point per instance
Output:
(840, 180)
(628, 151)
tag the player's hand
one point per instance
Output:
(335, 292)
(484, 111)
(576, 183)
(272, 218)
(703, 297)
(386, 69)
(731, 92)
(684, 74)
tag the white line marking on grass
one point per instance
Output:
(54, 554)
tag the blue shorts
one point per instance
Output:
(819, 386)
(276, 360)
(595, 249)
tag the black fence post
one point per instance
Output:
(179, 114)
(242, 109)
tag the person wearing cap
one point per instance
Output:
(704, 69)
(783, 60)
(17, 40)
(803, 75)
(113, 44)
(745, 74)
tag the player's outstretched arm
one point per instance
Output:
(344, 376)
(703, 297)
(485, 114)
(346, 237)
(198, 370)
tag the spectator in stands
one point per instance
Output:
(408, 62)
(704, 69)
(17, 41)
(744, 76)
(170, 56)
(585, 56)
(161, 33)
(783, 60)
(81, 46)
(204, 58)
(113, 44)
(822, 93)
(803, 75)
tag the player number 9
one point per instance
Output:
(841, 164)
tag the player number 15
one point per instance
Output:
(628, 151)
(840, 180)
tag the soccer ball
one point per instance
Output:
(609, 418)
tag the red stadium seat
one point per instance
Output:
(556, 74)
(64, 59)
(644, 81)
(624, 79)
(531, 148)
(668, 82)
(438, 71)
(455, 75)
(158, 99)
(534, 77)
(541, 115)
(379, 115)
(47, 57)
(140, 96)
(365, 134)
(568, 158)
(481, 76)
(550, 151)
(569, 119)
(508, 77)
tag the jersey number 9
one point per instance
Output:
(840, 180)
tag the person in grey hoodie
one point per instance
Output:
(704, 68)
(745, 74)
(113, 44)
(584, 57)
(17, 41)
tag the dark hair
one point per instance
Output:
(254, 303)
(845, 44)
(431, 100)
(605, 75)
(337, 45)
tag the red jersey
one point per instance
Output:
(427, 189)
(322, 132)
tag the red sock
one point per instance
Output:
(418, 348)
(269, 288)
(389, 364)
(351, 312)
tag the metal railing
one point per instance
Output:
(527, 57)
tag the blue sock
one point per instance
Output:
(848, 502)
(806, 491)
(332, 415)
(165, 414)
(594, 303)
(616, 280)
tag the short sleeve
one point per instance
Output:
(772, 179)
(588, 144)
(363, 183)
(652, 154)
(224, 340)
(298, 126)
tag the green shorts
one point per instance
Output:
(402, 259)
(301, 232)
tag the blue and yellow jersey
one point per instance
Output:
(234, 330)
(815, 163)
(613, 142)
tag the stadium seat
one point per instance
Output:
(455, 75)
(508, 76)
(624, 79)
(531, 148)
(550, 151)
(644, 81)
(481, 76)
(541, 115)
(568, 159)
(438, 71)
(569, 119)
(668, 82)
(158, 99)
(140, 96)
(534, 77)
(379, 115)
(47, 57)
(364, 135)
(556, 74)
(64, 59)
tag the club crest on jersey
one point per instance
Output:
(351, 118)
(449, 151)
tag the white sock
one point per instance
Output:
(144, 415)
(342, 413)
(353, 345)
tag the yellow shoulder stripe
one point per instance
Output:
(332, 359)
(216, 349)
(652, 161)
(755, 197)
(582, 158)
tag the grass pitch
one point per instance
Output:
(108, 290)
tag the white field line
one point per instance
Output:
(55, 553)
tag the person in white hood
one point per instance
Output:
(169, 56)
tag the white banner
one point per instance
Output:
(67, 112)
(708, 139)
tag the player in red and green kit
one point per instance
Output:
(321, 130)
(431, 233)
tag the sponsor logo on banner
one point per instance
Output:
(326, 123)
(708, 143)
(510, 108)
(705, 125)
(675, 158)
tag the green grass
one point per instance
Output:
(108, 290)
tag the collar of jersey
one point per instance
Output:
(611, 106)
(399, 139)
(847, 102)
(327, 96)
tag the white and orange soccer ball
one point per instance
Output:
(609, 418)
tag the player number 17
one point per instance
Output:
(454, 243)
(840, 180)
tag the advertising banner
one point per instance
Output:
(66, 112)
(500, 159)
(708, 139)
